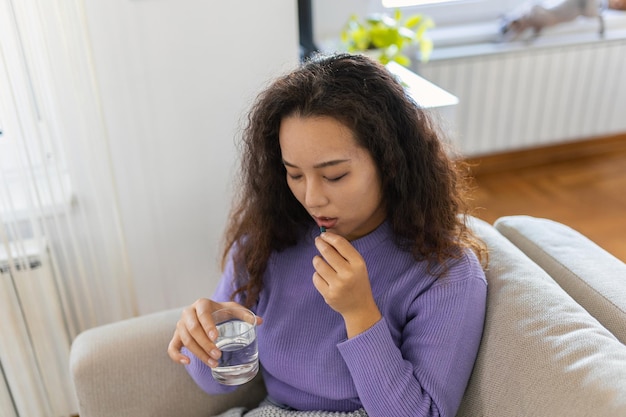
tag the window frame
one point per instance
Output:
(460, 12)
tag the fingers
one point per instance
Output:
(320, 284)
(340, 273)
(339, 253)
(194, 338)
(322, 267)
(329, 265)
(173, 350)
(200, 313)
(330, 260)
(196, 331)
(336, 249)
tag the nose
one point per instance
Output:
(314, 194)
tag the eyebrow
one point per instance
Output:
(320, 165)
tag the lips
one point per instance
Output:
(327, 222)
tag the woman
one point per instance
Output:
(383, 312)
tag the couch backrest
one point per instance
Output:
(541, 354)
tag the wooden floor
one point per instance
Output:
(582, 185)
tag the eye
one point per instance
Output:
(294, 177)
(335, 179)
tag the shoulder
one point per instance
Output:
(464, 268)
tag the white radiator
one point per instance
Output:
(534, 95)
(34, 348)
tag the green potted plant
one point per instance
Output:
(387, 38)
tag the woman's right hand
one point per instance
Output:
(196, 331)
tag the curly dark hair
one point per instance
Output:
(422, 186)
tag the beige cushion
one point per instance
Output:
(122, 370)
(541, 354)
(592, 276)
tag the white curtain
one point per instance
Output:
(63, 262)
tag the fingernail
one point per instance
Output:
(212, 335)
(212, 363)
(184, 361)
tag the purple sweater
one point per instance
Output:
(415, 361)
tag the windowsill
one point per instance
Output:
(427, 94)
(484, 38)
(24, 207)
(28, 249)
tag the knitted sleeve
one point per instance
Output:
(427, 374)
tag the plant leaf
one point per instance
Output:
(413, 21)
(390, 34)
(362, 39)
(403, 60)
(426, 47)
(382, 36)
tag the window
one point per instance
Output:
(469, 22)
(457, 21)
(403, 3)
(456, 12)
(32, 167)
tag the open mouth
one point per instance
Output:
(326, 222)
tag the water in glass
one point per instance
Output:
(239, 362)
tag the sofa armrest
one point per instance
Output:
(588, 273)
(541, 354)
(122, 369)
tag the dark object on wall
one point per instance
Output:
(305, 24)
(617, 4)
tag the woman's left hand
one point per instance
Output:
(341, 278)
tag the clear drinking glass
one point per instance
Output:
(237, 340)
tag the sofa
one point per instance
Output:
(553, 343)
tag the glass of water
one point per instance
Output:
(236, 339)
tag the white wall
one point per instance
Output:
(176, 78)
(329, 16)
